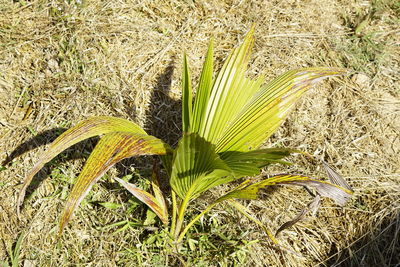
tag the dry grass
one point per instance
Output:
(61, 62)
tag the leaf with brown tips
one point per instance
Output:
(83, 130)
(111, 148)
(147, 199)
(339, 194)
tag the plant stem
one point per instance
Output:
(242, 209)
(182, 234)
(174, 211)
(181, 214)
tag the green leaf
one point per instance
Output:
(203, 91)
(237, 114)
(14, 254)
(110, 205)
(249, 163)
(339, 194)
(186, 97)
(267, 109)
(83, 130)
(230, 92)
(112, 148)
(196, 167)
(150, 217)
(192, 244)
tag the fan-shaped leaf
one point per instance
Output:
(203, 91)
(230, 92)
(186, 97)
(83, 130)
(196, 167)
(112, 148)
(249, 163)
(267, 109)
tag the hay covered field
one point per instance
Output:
(64, 61)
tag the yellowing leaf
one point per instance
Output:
(268, 107)
(147, 199)
(339, 194)
(158, 194)
(112, 148)
(83, 130)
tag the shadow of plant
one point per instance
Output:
(46, 137)
(41, 139)
(163, 122)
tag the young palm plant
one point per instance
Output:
(223, 128)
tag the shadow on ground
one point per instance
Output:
(41, 139)
(75, 152)
(163, 121)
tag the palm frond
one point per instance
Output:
(111, 148)
(186, 97)
(151, 201)
(339, 194)
(83, 130)
(196, 167)
(267, 109)
(203, 91)
(249, 163)
(230, 91)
